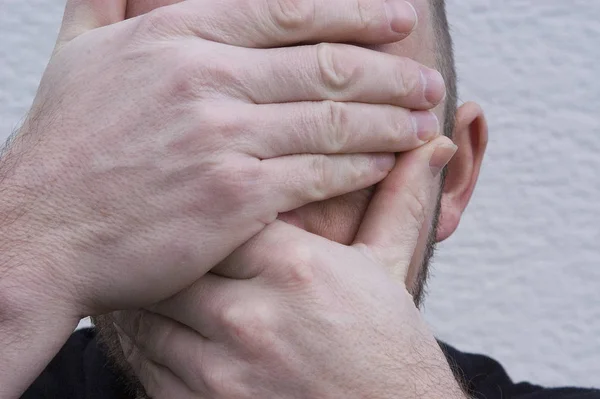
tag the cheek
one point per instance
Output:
(337, 219)
(139, 7)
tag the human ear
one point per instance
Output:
(471, 137)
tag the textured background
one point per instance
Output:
(520, 280)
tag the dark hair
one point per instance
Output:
(445, 60)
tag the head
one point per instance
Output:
(338, 219)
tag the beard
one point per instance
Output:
(419, 289)
(108, 337)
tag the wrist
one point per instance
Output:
(438, 380)
(31, 333)
(425, 374)
(34, 280)
(29, 290)
(37, 259)
(36, 318)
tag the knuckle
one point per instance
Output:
(405, 81)
(358, 168)
(210, 130)
(291, 15)
(192, 75)
(337, 118)
(184, 77)
(365, 16)
(261, 322)
(253, 325)
(231, 317)
(226, 126)
(239, 185)
(230, 186)
(301, 260)
(337, 72)
(399, 121)
(321, 168)
(416, 205)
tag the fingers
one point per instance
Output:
(158, 381)
(338, 72)
(328, 127)
(167, 354)
(399, 208)
(274, 23)
(84, 15)
(281, 255)
(208, 305)
(296, 180)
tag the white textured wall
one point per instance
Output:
(520, 280)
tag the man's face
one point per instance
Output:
(338, 219)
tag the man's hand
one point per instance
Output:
(159, 144)
(293, 315)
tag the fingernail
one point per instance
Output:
(426, 124)
(434, 86)
(385, 162)
(440, 158)
(402, 16)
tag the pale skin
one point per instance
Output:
(322, 309)
(158, 145)
(295, 315)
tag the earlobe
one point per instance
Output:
(471, 136)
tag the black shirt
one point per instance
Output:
(81, 370)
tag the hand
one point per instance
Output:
(158, 145)
(293, 315)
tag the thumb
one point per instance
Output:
(84, 15)
(402, 203)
